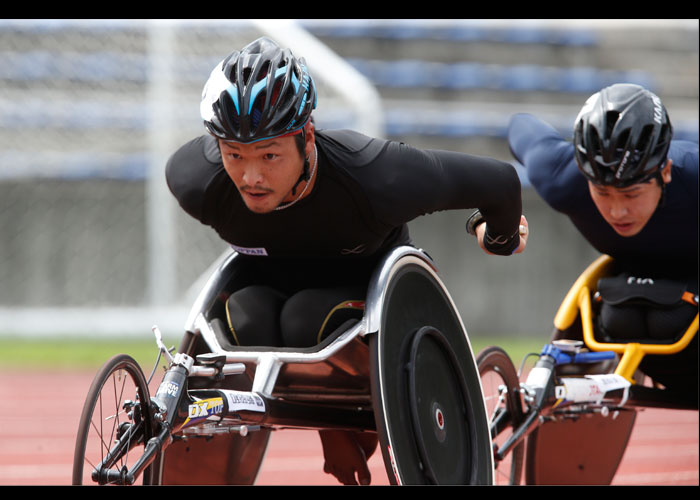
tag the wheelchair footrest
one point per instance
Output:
(582, 451)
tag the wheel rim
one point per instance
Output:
(108, 414)
(499, 382)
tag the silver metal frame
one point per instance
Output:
(269, 363)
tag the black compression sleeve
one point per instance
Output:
(415, 182)
(189, 172)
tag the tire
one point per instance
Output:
(501, 386)
(429, 410)
(119, 380)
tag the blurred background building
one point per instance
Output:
(92, 242)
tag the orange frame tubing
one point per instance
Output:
(579, 299)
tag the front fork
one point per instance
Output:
(171, 399)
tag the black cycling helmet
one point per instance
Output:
(258, 93)
(622, 136)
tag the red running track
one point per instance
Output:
(40, 413)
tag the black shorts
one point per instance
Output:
(634, 320)
(259, 315)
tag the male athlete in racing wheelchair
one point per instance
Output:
(314, 217)
(645, 286)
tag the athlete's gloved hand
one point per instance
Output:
(346, 455)
(522, 236)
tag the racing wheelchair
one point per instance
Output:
(405, 371)
(569, 422)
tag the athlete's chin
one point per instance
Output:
(260, 209)
(259, 203)
(627, 230)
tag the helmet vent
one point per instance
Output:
(611, 118)
(255, 116)
(645, 138)
(594, 144)
(276, 92)
(229, 110)
(246, 75)
(622, 140)
(664, 136)
(262, 74)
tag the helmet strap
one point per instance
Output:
(305, 176)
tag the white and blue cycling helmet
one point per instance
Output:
(257, 93)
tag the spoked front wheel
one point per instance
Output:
(501, 386)
(115, 424)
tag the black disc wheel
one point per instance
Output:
(439, 404)
(429, 409)
(115, 424)
(501, 386)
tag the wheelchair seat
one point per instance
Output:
(589, 448)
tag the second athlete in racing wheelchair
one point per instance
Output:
(570, 421)
(630, 189)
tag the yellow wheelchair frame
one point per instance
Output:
(631, 354)
(583, 460)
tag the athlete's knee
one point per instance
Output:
(300, 319)
(309, 316)
(253, 316)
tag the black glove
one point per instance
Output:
(499, 245)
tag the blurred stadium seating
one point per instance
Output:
(77, 120)
(428, 77)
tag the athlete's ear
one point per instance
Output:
(666, 172)
(309, 134)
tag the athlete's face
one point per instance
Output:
(628, 209)
(265, 172)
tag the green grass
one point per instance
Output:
(81, 354)
(72, 354)
(517, 348)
